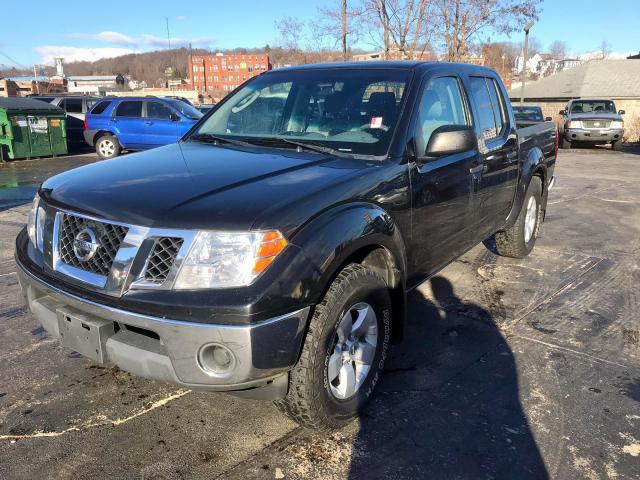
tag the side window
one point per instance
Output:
(498, 105)
(441, 104)
(73, 105)
(486, 118)
(129, 108)
(100, 107)
(158, 110)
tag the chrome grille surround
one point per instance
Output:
(129, 253)
(108, 236)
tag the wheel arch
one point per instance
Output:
(533, 165)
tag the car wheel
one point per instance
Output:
(518, 241)
(565, 144)
(108, 146)
(617, 145)
(344, 352)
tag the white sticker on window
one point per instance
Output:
(376, 122)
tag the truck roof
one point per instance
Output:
(378, 64)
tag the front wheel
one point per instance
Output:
(518, 240)
(565, 144)
(344, 352)
(617, 145)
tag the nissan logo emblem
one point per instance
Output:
(85, 245)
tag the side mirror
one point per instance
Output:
(450, 139)
(174, 117)
(621, 112)
(548, 119)
(563, 112)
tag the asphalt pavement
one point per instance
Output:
(509, 369)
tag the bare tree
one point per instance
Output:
(558, 50)
(403, 24)
(339, 24)
(462, 20)
(291, 31)
(605, 50)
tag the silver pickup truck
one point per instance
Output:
(592, 121)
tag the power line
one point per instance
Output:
(13, 60)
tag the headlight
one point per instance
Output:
(617, 124)
(35, 223)
(574, 124)
(227, 259)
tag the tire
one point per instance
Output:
(316, 401)
(565, 144)
(107, 147)
(616, 146)
(518, 241)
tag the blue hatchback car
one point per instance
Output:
(137, 123)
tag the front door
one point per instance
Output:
(499, 150)
(443, 190)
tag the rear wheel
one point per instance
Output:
(344, 352)
(518, 241)
(108, 146)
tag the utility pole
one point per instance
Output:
(344, 30)
(168, 37)
(525, 51)
(193, 80)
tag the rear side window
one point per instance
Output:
(490, 117)
(100, 107)
(497, 104)
(129, 108)
(158, 110)
(73, 105)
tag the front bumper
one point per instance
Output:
(593, 135)
(164, 349)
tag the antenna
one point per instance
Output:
(168, 37)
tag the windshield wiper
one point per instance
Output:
(314, 147)
(209, 138)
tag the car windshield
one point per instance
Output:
(528, 114)
(589, 106)
(350, 111)
(187, 110)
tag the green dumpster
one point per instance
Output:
(31, 128)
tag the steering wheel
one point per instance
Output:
(375, 132)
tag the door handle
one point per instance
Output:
(478, 169)
(149, 123)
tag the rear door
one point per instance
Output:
(443, 190)
(498, 145)
(160, 129)
(128, 124)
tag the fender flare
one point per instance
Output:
(533, 164)
(347, 233)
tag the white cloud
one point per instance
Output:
(180, 18)
(78, 54)
(154, 41)
(108, 37)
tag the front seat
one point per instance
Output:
(432, 115)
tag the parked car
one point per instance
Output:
(76, 107)
(270, 251)
(592, 121)
(529, 115)
(137, 123)
(205, 107)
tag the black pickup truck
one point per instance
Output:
(269, 252)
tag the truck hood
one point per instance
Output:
(197, 186)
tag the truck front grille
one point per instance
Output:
(162, 258)
(108, 237)
(596, 123)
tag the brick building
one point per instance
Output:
(225, 72)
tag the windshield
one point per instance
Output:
(588, 106)
(350, 111)
(530, 114)
(187, 110)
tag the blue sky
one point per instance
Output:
(80, 30)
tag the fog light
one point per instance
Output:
(216, 359)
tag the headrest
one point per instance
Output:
(431, 105)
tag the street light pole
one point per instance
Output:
(525, 51)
